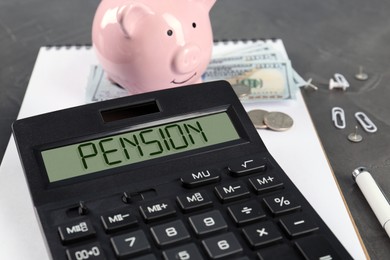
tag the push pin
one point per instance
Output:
(310, 85)
(361, 75)
(355, 137)
(82, 209)
(339, 82)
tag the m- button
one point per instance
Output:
(233, 191)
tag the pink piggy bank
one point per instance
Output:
(146, 45)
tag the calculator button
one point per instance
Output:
(262, 233)
(279, 252)
(279, 204)
(76, 230)
(194, 201)
(297, 224)
(169, 233)
(186, 252)
(208, 222)
(231, 192)
(246, 212)
(247, 166)
(130, 244)
(157, 209)
(222, 246)
(316, 247)
(199, 178)
(265, 183)
(118, 220)
(91, 251)
(145, 257)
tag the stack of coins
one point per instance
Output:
(276, 121)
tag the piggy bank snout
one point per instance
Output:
(187, 59)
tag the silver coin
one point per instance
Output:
(257, 117)
(241, 90)
(278, 121)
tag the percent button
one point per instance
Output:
(280, 204)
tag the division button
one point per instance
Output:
(222, 246)
(130, 244)
(157, 209)
(246, 212)
(76, 230)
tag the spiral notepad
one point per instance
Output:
(59, 81)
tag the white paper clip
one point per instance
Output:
(338, 117)
(365, 122)
(339, 82)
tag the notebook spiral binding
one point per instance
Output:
(244, 40)
(68, 46)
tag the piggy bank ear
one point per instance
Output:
(207, 3)
(130, 14)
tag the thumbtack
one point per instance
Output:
(309, 84)
(339, 82)
(355, 137)
(361, 75)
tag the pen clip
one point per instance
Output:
(338, 117)
(365, 122)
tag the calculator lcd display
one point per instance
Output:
(131, 147)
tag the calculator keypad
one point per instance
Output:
(216, 215)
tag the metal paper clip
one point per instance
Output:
(365, 122)
(338, 117)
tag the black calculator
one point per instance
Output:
(178, 174)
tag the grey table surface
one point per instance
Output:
(321, 38)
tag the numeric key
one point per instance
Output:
(169, 233)
(130, 244)
(222, 246)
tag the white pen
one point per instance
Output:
(374, 196)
